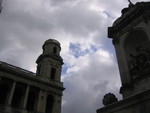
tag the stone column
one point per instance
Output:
(8, 104)
(25, 99)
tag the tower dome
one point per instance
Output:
(51, 46)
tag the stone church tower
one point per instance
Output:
(49, 65)
(131, 38)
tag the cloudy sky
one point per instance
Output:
(90, 70)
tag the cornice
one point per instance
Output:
(56, 57)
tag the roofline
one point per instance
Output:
(19, 72)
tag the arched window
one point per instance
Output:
(3, 93)
(49, 104)
(55, 50)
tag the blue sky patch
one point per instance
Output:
(108, 14)
(76, 50)
(65, 68)
(94, 48)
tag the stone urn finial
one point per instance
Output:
(109, 99)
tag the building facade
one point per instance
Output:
(22, 91)
(131, 38)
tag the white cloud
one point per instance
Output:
(88, 80)
(26, 24)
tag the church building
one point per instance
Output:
(22, 91)
(130, 34)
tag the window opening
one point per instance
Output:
(54, 50)
(53, 73)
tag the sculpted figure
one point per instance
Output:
(141, 60)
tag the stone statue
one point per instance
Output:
(140, 61)
(109, 99)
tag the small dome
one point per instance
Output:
(51, 41)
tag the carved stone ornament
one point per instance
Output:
(109, 99)
(139, 62)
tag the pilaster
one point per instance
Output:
(56, 104)
(41, 102)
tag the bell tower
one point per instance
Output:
(49, 65)
(131, 38)
(50, 61)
